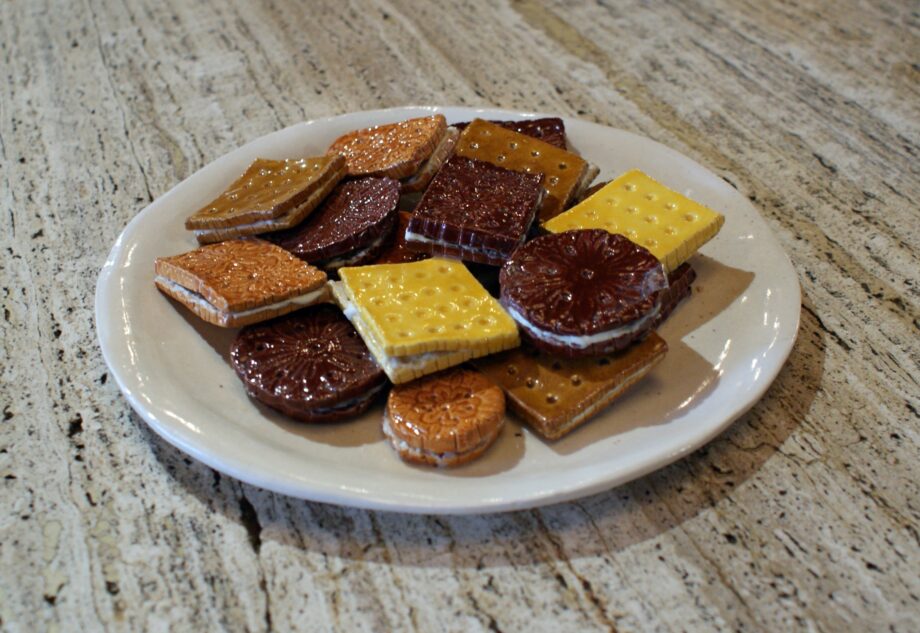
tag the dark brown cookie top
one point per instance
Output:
(549, 130)
(355, 213)
(478, 204)
(308, 359)
(581, 282)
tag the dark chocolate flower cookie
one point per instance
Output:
(582, 293)
(310, 365)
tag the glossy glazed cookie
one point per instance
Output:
(355, 220)
(270, 195)
(238, 282)
(475, 211)
(445, 419)
(566, 174)
(421, 317)
(548, 129)
(556, 395)
(582, 293)
(395, 150)
(310, 365)
(670, 225)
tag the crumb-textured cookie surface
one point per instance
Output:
(395, 149)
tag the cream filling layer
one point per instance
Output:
(339, 262)
(390, 364)
(195, 298)
(489, 252)
(586, 340)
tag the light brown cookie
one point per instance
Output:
(239, 282)
(444, 419)
(556, 395)
(566, 174)
(395, 150)
(269, 196)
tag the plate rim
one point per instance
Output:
(106, 288)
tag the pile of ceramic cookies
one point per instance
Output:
(454, 270)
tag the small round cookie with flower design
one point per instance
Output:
(444, 419)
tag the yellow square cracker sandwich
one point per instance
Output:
(270, 195)
(421, 317)
(238, 282)
(671, 226)
(566, 175)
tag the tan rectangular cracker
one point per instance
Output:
(237, 275)
(269, 190)
(566, 174)
(395, 150)
(556, 395)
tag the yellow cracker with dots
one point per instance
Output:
(269, 196)
(670, 225)
(429, 306)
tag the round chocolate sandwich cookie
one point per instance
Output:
(352, 227)
(583, 292)
(310, 365)
(444, 419)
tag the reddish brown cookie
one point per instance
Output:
(350, 227)
(445, 419)
(397, 251)
(582, 293)
(475, 211)
(549, 129)
(310, 365)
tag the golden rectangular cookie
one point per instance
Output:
(670, 225)
(434, 305)
(556, 395)
(565, 174)
(270, 193)
(395, 150)
(238, 282)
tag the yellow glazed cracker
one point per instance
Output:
(671, 226)
(435, 305)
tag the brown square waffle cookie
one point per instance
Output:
(566, 174)
(270, 195)
(475, 211)
(556, 395)
(239, 282)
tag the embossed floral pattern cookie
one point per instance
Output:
(310, 365)
(582, 293)
(445, 419)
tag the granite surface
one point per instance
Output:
(804, 515)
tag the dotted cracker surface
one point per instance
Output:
(671, 226)
(266, 190)
(555, 395)
(427, 306)
(563, 170)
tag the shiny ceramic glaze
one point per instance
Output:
(726, 345)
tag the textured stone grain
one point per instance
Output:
(804, 515)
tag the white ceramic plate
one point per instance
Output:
(727, 343)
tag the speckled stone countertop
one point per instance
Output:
(804, 515)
